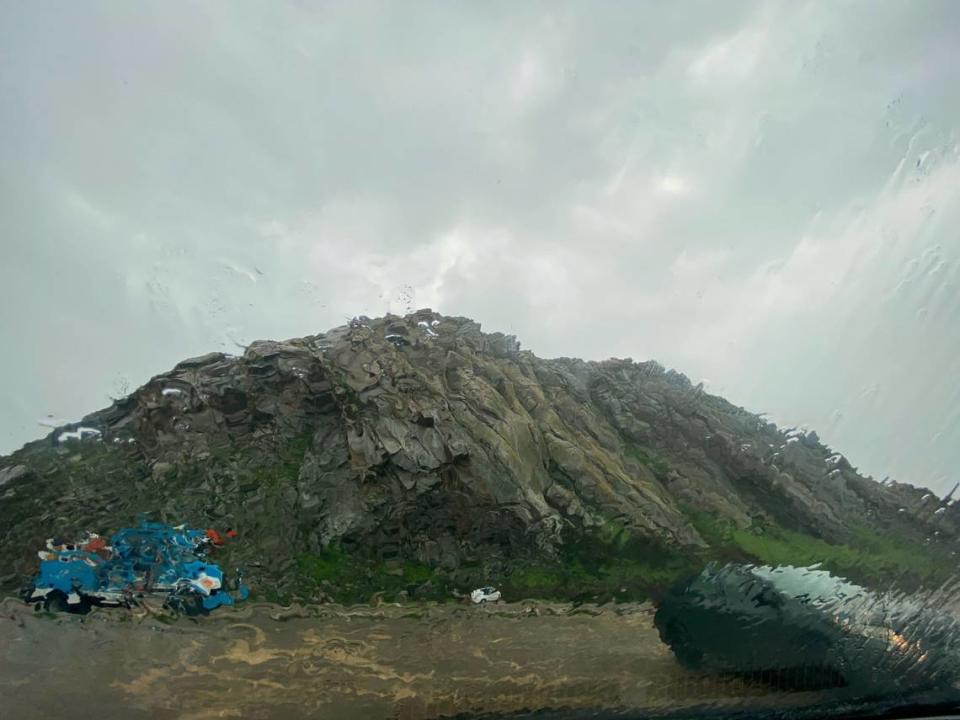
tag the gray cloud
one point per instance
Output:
(763, 195)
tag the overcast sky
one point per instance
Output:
(765, 196)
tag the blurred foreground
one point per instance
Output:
(391, 661)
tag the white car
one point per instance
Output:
(484, 594)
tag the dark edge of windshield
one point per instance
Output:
(907, 709)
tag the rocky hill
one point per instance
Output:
(415, 455)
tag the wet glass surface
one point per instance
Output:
(263, 271)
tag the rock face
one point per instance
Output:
(424, 439)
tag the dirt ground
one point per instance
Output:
(393, 662)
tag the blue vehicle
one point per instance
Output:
(150, 559)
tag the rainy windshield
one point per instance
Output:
(408, 361)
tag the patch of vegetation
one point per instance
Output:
(867, 557)
(612, 534)
(537, 578)
(283, 467)
(351, 578)
(650, 459)
(609, 564)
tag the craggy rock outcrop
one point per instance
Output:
(424, 438)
